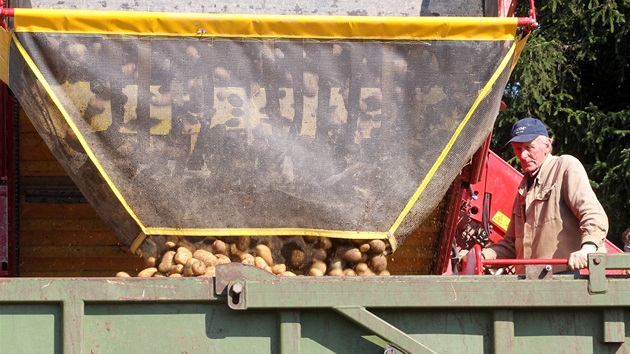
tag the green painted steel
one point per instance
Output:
(246, 310)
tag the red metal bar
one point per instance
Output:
(451, 217)
(532, 11)
(6, 12)
(8, 185)
(479, 161)
(529, 22)
(474, 262)
(507, 261)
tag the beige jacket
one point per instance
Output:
(555, 217)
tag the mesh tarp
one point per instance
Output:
(351, 129)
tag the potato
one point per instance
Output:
(364, 248)
(235, 253)
(172, 242)
(297, 259)
(315, 272)
(176, 268)
(242, 243)
(361, 268)
(279, 268)
(321, 266)
(147, 272)
(223, 259)
(352, 255)
(123, 275)
(349, 272)
(319, 254)
(287, 274)
(198, 268)
(264, 252)
(384, 273)
(378, 263)
(325, 243)
(260, 262)
(149, 262)
(309, 239)
(175, 275)
(335, 272)
(167, 261)
(248, 259)
(206, 257)
(183, 255)
(188, 272)
(221, 248)
(377, 246)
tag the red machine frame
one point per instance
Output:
(8, 185)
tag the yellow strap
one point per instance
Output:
(520, 45)
(362, 235)
(483, 93)
(392, 241)
(5, 45)
(135, 246)
(264, 26)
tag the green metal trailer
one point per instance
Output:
(246, 310)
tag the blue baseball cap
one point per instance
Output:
(527, 129)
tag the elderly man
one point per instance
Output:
(556, 213)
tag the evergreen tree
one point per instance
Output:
(573, 75)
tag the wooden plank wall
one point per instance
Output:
(70, 240)
(62, 240)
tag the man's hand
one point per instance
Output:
(579, 259)
(462, 254)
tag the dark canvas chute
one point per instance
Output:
(246, 125)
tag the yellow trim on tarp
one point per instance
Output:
(135, 246)
(482, 94)
(264, 26)
(358, 235)
(75, 130)
(5, 45)
(520, 46)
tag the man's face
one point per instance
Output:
(532, 154)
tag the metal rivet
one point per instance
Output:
(237, 288)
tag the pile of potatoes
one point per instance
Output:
(315, 256)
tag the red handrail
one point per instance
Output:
(476, 265)
(506, 261)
